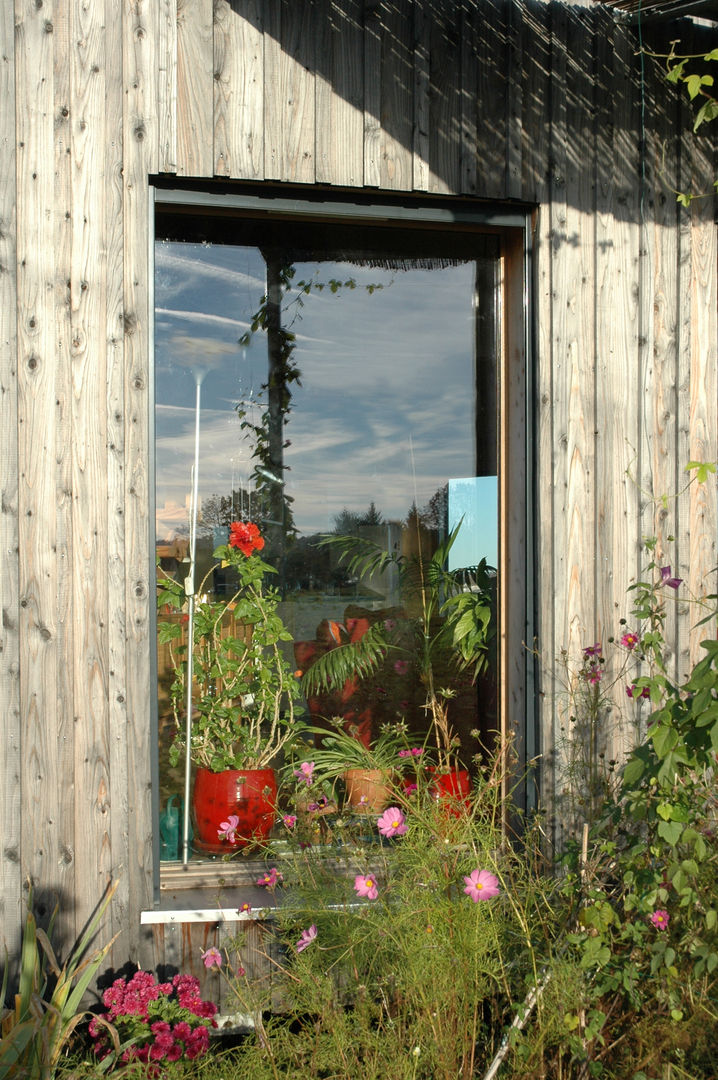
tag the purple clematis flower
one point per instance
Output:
(666, 579)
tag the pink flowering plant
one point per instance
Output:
(157, 1022)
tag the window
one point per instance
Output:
(324, 369)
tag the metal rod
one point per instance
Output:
(189, 588)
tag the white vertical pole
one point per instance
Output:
(189, 588)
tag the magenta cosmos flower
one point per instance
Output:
(307, 937)
(305, 772)
(629, 640)
(270, 879)
(481, 885)
(660, 918)
(212, 958)
(392, 822)
(228, 829)
(366, 886)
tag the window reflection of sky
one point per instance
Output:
(387, 386)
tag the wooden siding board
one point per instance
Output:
(703, 399)
(239, 89)
(289, 91)
(422, 97)
(138, 157)
(468, 135)
(340, 94)
(372, 99)
(195, 88)
(491, 99)
(167, 86)
(114, 407)
(397, 105)
(36, 441)
(618, 394)
(88, 459)
(67, 733)
(535, 101)
(11, 767)
(444, 100)
(515, 22)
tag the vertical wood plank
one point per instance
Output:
(289, 101)
(340, 93)
(536, 85)
(491, 99)
(618, 394)
(397, 95)
(372, 98)
(515, 24)
(114, 407)
(444, 99)
(88, 358)
(167, 86)
(469, 39)
(239, 89)
(11, 767)
(195, 88)
(702, 511)
(36, 438)
(422, 97)
(65, 730)
(139, 125)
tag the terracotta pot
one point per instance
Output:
(249, 794)
(452, 789)
(368, 790)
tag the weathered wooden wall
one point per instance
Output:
(500, 99)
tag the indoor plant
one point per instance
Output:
(244, 694)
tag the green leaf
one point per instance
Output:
(670, 831)
(703, 469)
(706, 113)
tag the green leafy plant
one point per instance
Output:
(454, 625)
(48, 1005)
(244, 690)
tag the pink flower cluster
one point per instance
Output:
(416, 751)
(169, 1020)
(592, 660)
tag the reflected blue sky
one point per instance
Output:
(385, 410)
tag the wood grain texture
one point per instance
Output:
(37, 433)
(195, 88)
(239, 89)
(167, 86)
(372, 99)
(340, 93)
(88, 382)
(289, 97)
(114, 407)
(139, 153)
(10, 767)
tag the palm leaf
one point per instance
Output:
(356, 658)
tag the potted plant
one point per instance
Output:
(367, 771)
(244, 694)
(453, 624)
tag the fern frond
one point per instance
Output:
(361, 556)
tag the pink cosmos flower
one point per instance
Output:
(305, 772)
(244, 908)
(416, 751)
(270, 879)
(228, 829)
(212, 958)
(592, 650)
(666, 579)
(481, 885)
(307, 937)
(630, 640)
(290, 820)
(594, 676)
(401, 667)
(366, 886)
(660, 918)
(392, 822)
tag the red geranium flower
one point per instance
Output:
(245, 536)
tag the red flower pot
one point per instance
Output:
(248, 794)
(452, 788)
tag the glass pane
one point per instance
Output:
(338, 381)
